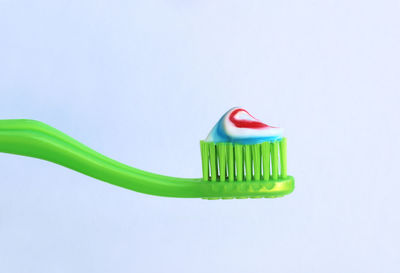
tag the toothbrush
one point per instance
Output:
(230, 170)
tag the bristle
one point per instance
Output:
(231, 163)
(265, 153)
(274, 160)
(221, 150)
(204, 159)
(248, 162)
(227, 162)
(239, 161)
(282, 155)
(213, 163)
(256, 161)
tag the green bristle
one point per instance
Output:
(221, 148)
(274, 160)
(282, 155)
(247, 162)
(213, 162)
(239, 161)
(265, 152)
(204, 159)
(231, 163)
(256, 161)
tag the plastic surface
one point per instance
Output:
(36, 139)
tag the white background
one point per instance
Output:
(144, 81)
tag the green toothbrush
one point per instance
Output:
(229, 170)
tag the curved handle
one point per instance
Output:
(36, 139)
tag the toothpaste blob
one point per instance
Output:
(238, 126)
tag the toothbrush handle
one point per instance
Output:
(39, 140)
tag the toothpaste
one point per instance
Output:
(238, 126)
